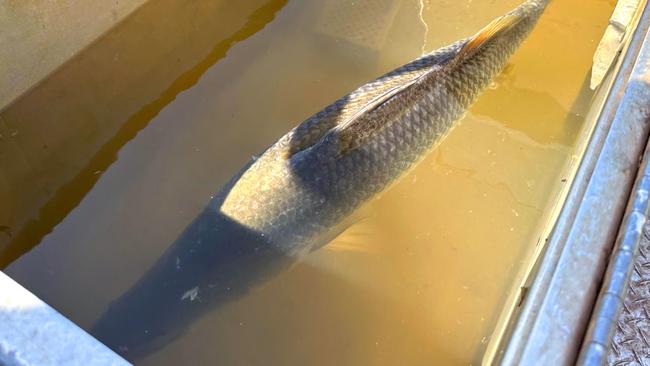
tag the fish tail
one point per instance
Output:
(485, 35)
(530, 10)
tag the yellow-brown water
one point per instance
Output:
(105, 163)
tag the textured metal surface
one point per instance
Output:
(32, 333)
(636, 104)
(557, 308)
(630, 344)
(624, 259)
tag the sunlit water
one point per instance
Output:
(106, 162)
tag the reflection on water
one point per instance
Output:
(535, 125)
(423, 274)
(75, 77)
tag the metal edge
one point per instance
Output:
(610, 301)
(33, 333)
(555, 312)
(525, 275)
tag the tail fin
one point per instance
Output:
(492, 30)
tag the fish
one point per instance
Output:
(320, 172)
(298, 194)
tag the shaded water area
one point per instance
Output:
(108, 161)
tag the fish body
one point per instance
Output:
(302, 186)
(293, 198)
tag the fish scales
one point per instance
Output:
(333, 162)
(296, 195)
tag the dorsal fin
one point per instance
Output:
(488, 33)
(347, 109)
(340, 120)
(352, 132)
(354, 129)
(343, 118)
(375, 102)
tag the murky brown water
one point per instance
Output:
(105, 163)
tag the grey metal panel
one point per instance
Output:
(32, 333)
(608, 307)
(555, 313)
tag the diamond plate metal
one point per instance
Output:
(631, 340)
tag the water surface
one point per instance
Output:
(105, 163)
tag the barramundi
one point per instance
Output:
(316, 175)
(295, 197)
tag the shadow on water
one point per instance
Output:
(67, 196)
(214, 261)
(217, 260)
